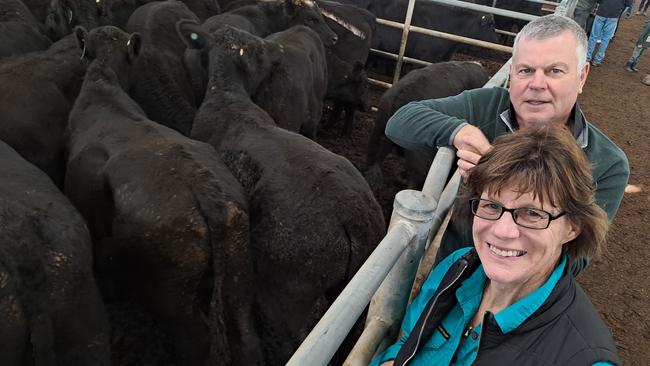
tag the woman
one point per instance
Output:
(511, 299)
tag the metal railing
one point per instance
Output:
(390, 270)
(406, 28)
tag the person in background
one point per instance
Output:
(511, 300)
(604, 27)
(641, 45)
(582, 11)
(547, 74)
(643, 7)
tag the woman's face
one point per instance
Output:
(513, 255)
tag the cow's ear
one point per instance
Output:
(67, 7)
(191, 34)
(133, 46)
(81, 34)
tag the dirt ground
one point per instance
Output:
(617, 103)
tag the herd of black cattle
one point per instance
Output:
(162, 153)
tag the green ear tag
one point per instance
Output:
(194, 36)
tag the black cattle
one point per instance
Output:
(50, 310)
(121, 10)
(507, 23)
(20, 32)
(169, 222)
(354, 28)
(347, 87)
(293, 93)
(63, 15)
(434, 81)
(314, 219)
(439, 17)
(267, 17)
(37, 91)
(347, 83)
(160, 84)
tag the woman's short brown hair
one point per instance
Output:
(547, 162)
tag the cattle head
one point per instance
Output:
(352, 88)
(111, 47)
(307, 12)
(230, 52)
(485, 28)
(63, 15)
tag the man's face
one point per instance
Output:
(544, 79)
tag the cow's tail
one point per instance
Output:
(233, 337)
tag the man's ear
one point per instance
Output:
(191, 34)
(583, 77)
(133, 45)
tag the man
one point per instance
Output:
(604, 27)
(582, 11)
(639, 48)
(547, 74)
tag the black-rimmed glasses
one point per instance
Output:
(528, 217)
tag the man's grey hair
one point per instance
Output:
(553, 25)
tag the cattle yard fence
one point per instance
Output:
(406, 28)
(386, 279)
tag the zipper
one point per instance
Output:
(480, 336)
(409, 358)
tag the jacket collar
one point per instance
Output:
(555, 305)
(577, 124)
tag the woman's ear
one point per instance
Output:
(572, 231)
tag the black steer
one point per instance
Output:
(37, 91)
(434, 81)
(169, 222)
(294, 91)
(314, 219)
(160, 84)
(50, 310)
(20, 32)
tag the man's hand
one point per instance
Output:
(470, 144)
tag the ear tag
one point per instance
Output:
(69, 16)
(98, 2)
(128, 43)
(194, 36)
(83, 52)
(241, 52)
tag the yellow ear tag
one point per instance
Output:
(98, 2)
(128, 43)
(194, 36)
(241, 52)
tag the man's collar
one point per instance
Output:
(577, 124)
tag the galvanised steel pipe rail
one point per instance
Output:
(449, 36)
